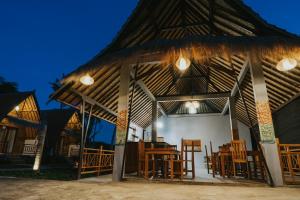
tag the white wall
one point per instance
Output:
(139, 132)
(215, 128)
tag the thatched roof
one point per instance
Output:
(215, 34)
(57, 120)
(8, 102)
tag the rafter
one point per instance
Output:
(215, 95)
(241, 77)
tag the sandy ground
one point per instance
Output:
(27, 189)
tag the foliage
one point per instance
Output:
(7, 87)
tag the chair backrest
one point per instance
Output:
(141, 150)
(190, 145)
(238, 150)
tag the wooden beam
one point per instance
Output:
(241, 77)
(193, 97)
(233, 119)
(23, 122)
(182, 26)
(154, 121)
(93, 102)
(145, 89)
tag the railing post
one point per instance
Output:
(100, 160)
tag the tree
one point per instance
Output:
(7, 87)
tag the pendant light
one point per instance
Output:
(286, 64)
(87, 80)
(182, 62)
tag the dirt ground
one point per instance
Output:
(29, 189)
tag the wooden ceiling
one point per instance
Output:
(154, 20)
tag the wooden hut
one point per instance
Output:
(232, 56)
(19, 118)
(63, 132)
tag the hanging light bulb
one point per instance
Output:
(17, 108)
(286, 64)
(188, 104)
(192, 106)
(182, 63)
(159, 124)
(87, 80)
(196, 104)
(192, 110)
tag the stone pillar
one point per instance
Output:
(154, 121)
(233, 120)
(122, 123)
(264, 118)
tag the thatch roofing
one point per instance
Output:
(215, 34)
(8, 101)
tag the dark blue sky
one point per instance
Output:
(41, 40)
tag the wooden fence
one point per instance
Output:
(97, 161)
(290, 162)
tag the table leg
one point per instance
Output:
(222, 166)
(146, 166)
(172, 167)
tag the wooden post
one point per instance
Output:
(233, 119)
(40, 148)
(264, 118)
(81, 148)
(154, 121)
(122, 122)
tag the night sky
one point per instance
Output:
(41, 40)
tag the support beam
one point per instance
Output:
(93, 102)
(264, 118)
(193, 97)
(81, 139)
(235, 89)
(154, 121)
(233, 119)
(122, 122)
(145, 89)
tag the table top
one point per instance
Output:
(161, 151)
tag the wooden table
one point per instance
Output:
(159, 151)
(223, 155)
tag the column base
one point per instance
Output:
(271, 154)
(118, 162)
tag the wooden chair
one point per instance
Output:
(215, 166)
(189, 146)
(141, 158)
(239, 156)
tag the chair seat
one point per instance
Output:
(240, 161)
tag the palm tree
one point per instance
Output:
(7, 87)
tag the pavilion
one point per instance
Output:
(219, 53)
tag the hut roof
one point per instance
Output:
(57, 120)
(215, 33)
(8, 101)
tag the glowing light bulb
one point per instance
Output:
(87, 80)
(183, 63)
(196, 104)
(192, 110)
(17, 108)
(188, 104)
(286, 64)
(159, 124)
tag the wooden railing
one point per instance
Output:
(97, 161)
(3, 147)
(29, 149)
(290, 162)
